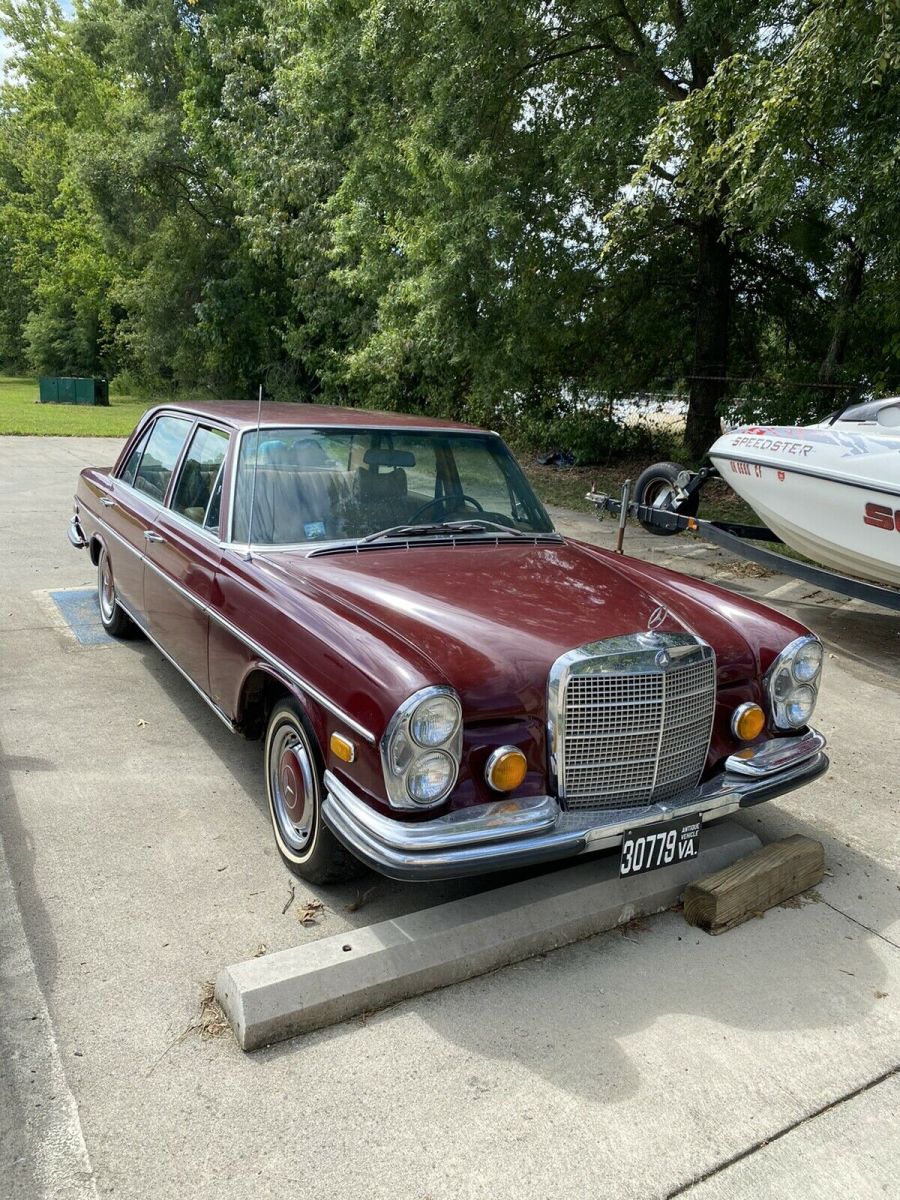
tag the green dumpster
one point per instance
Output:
(58, 389)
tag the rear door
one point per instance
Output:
(183, 555)
(137, 495)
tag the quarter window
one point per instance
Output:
(161, 455)
(134, 457)
(197, 478)
(215, 506)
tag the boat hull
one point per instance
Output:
(833, 496)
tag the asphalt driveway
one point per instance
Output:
(649, 1062)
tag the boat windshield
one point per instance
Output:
(314, 485)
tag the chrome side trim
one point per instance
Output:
(123, 541)
(188, 525)
(263, 654)
(183, 591)
(199, 690)
(296, 679)
(477, 840)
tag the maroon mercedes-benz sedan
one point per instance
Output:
(445, 684)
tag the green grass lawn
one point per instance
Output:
(20, 413)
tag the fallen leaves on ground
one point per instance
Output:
(747, 570)
(212, 1021)
(308, 913)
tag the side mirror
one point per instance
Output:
(889, 416)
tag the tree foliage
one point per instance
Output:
(518, 212)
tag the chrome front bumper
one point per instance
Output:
(519, 833)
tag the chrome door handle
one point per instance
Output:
(150, 536)
(107, 502)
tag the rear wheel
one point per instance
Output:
(294, 789)
(116, 621)
(657, 487)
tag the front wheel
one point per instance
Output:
(294, 789)
(113, 617)
(657, 487)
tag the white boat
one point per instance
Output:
(830, 491)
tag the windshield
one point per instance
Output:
(332, 484)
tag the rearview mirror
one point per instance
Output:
(889, 416)
(389, 458)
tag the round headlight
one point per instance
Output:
(434, 721)
(807, 662)
(800, 704)
(431, 777)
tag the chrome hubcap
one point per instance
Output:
(293, 787)
(107, 588)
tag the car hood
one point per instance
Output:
(491, 619)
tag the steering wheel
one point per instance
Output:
(445, 500)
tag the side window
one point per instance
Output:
(161, 455)
(198, 474)
(131, 463)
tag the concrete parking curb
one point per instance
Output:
(321, 983)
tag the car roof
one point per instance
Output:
(244, 415)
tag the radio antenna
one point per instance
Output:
(248, 556)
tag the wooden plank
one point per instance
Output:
(749, 886)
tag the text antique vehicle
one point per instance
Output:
(445, 684)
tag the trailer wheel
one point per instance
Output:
(656, 488)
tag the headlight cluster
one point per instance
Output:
(793, 682)
(421, 749)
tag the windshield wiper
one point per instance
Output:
(477, 525)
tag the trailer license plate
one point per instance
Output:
(661, 845)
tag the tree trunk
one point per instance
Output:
(851, 288)
(713, 308)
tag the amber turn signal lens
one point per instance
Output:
(342, 748)
(505, 769)
(748, 722)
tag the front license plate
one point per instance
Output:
(659, 846)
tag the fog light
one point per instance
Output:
(505, 769)
(747, 722)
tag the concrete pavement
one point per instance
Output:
(647, 1063)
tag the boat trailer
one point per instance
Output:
(739, 539)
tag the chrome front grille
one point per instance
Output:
(630, 720)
